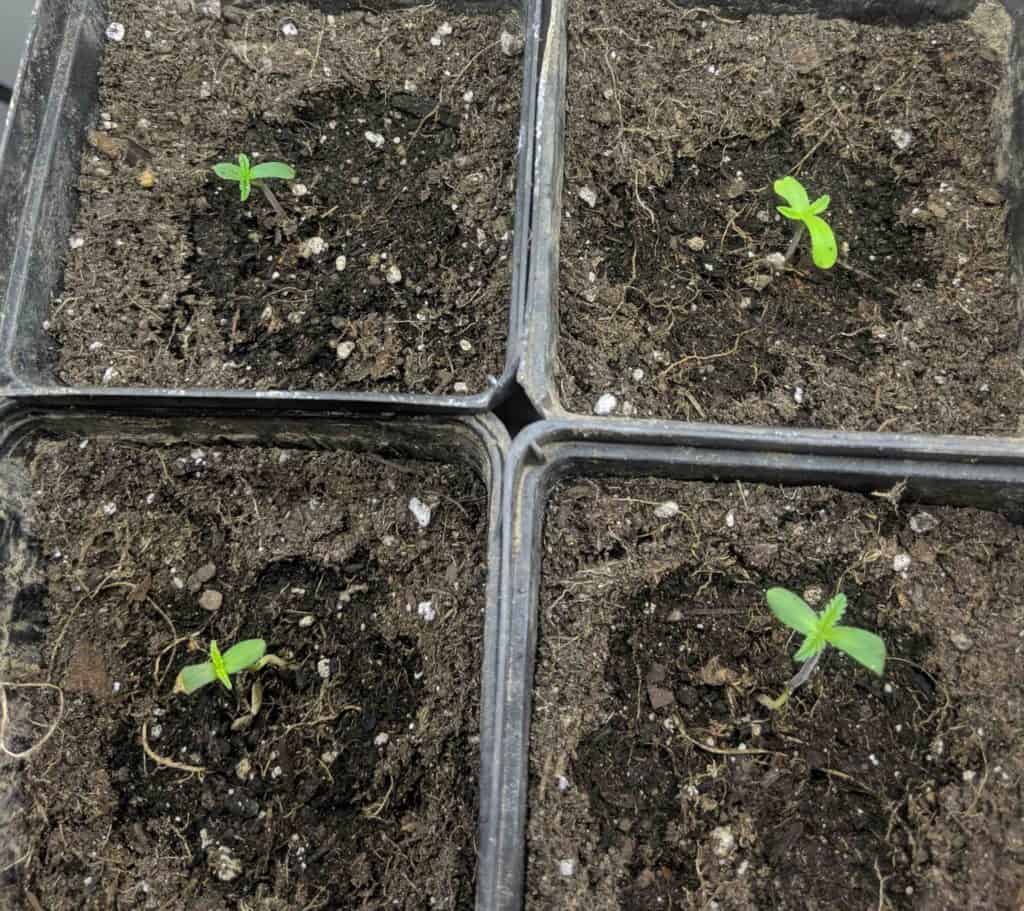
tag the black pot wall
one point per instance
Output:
(906, 12)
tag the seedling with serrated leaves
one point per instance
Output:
(246, 174)
(248, 655)
(820, 631)
(807, 214)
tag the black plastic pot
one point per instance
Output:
(940, 470)
(538, 373)
(55, 102)
(478, 442)
(55, 99)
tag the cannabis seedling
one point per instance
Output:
(820, 630)
(246, 174)
(807, 214)
(248, 655)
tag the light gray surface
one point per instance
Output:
(14, 24)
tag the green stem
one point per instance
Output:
(272, 199)
(794, 683)
(794, 243)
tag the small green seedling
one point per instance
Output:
(820, 630)
(248, 655)
(807, 214)
(246, 174)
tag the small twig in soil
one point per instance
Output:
(721, 751)
(174, 634)
(706, 357)
(696, 405)
(640, 202)
(379, 807)
(835, 773)
(472, 60)
(615, 91)
(169, 647)
(51, 730)
(422, 124)
(319, 41)
(893, 495)
(164, 761)
(700, 10)
(796, 169)
(4, 686)
(867, 276)
(881, 886)
(941, 710)
(982, 783)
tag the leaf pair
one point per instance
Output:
(245, 173)
(821, 630)
(801, 209)
(240, 657)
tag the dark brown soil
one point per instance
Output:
(664, 783)
(181, 284)
(680, 121)
(355, 786)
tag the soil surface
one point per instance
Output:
(355, 785)
(659, 781)
(678, 123)
(401, 128)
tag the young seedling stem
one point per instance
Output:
(249, 655)
(820, 631)
(792, 685)
(272, 199)
(807, 215)
(246, 175)
(793, 245)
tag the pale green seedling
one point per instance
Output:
(819, 631)
(250, 654)
(246, 174)
(808, 215)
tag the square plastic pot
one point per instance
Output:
(538, 370)
(946, 471)
(55, 102)
(479, 443)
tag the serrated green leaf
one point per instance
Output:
(217, 660)
(791, 190)
(275, 169)
(244, 655)
(792, 610)
(244, 186)
(823, 242)
(833, 612)
(227, 171)
(862, 646)
(819, 205)
(811, 646)
(243, 163)
(193, 677)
